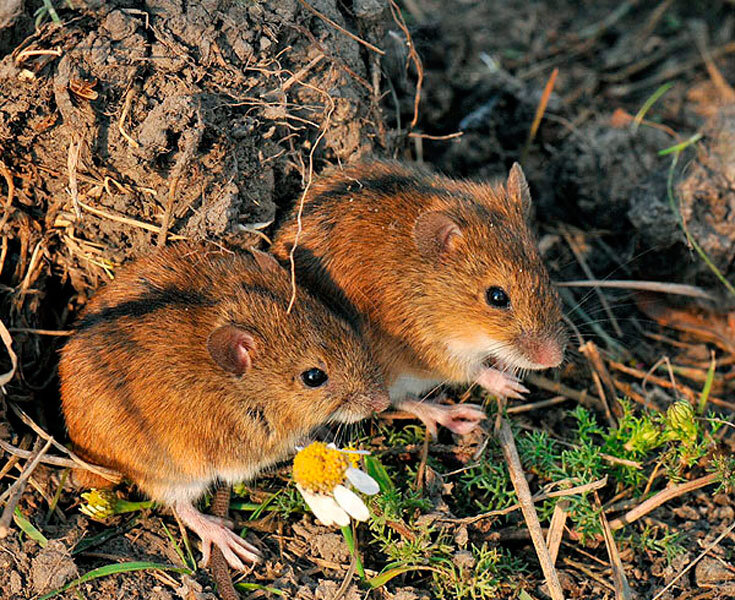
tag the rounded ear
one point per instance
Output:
(518, 190)
(231, 348)
(435, 233)
(266, 262)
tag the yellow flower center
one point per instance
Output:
(319, 469)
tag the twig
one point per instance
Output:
(679, 289)
(166, 222)
(412, 56)
(16, 490)
(520, 484)
(307, 187)
(661, 498)
(338, 27)
(11, 192)
(108, 474)
(426, 136)
(53, 332)
(701, 555)
(592, 354)
(121, 122)
(622, 587)
(573, 491)
(540, 110)
(8, 341)
(126, 220)
(556, 529)
(574, 247)
(555, 387)
(72, 160)
(529, 406)
(57, 461)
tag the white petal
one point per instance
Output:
(362, 481)
(325, 508)
(351, 502)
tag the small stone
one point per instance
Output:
(52, 568)
(369, 9)
(710, 571)
(464, 559)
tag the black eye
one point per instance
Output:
(313, 378)
(497, 297)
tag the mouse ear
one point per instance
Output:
(435, 233)
(231, 348)
(266, 262)
(518, 189)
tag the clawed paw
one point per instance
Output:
(458, 418)
(501, 384)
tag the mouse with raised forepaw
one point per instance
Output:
(442, 277)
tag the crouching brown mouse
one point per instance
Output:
(187, 369)
(443, 278)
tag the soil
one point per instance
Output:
(136, 123)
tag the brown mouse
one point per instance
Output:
(187, 370)
(443, 277)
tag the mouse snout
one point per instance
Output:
(369, 402)
(544, 352)
(379, 401)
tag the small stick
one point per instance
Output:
(166, 222)
(592, 354)
(121, 122)
(426, 136)
(622, 587)
(661, 498)
(678, 289)
(574, 247)
(8, 341)
(540, 110)
(338, 27)
(11, 192)
(56, 332)
(16, 490)
(108, 474)
(520, 484)
(579, 489)
(395, 12)
(701, 555)
(556, 529)
(514, 410)
(126, 220)
(554, 387)
(72, 161)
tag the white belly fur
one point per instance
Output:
(411, 385)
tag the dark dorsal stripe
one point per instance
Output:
(152, 301)
(384, 185)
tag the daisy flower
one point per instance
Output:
(322, 473)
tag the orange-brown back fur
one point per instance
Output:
(141, 393)
(357, 244)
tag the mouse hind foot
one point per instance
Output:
(212, 531)
(458, 418)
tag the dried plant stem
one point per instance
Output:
(15, 491)
(661, 498)
(520, 484)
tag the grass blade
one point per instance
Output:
(114, 570)
(28, 528)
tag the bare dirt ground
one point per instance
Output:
(133, 124)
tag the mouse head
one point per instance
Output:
(305, 366)
(488, 295)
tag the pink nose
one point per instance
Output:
(546, 352)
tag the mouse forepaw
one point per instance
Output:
(213, 532)
(458, 418)
(501, 384)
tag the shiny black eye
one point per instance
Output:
(314, 378)
(497, 298)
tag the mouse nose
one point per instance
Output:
(546, 352)
(379, 401)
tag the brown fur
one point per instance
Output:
(142, 394)
(364, 242)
